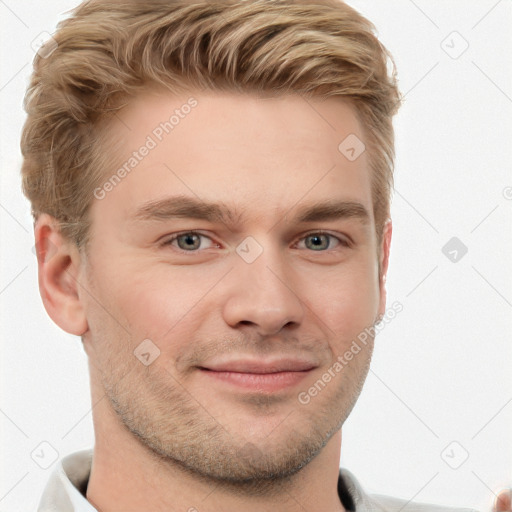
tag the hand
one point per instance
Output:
(503, 502)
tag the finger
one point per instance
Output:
(503, 502)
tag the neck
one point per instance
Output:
(126, 475)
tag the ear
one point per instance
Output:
(59, 270)
(387, 231)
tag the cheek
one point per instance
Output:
(154, 300)
(346, 300)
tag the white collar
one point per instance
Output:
(62, 493)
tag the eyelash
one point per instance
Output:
(174, 237)
(344, 243)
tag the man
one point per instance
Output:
(210, 183)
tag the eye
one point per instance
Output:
(320, 241)
(190, 241)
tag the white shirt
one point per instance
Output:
(68, 481)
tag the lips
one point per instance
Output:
(268, 376)
(260, 366)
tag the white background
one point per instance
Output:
(441, 369)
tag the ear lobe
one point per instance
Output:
(59, 266)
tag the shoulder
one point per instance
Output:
(379, 503)
(389, 504)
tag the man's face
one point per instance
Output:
(247, 309)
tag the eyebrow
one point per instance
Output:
(333, 210)
(184, 207)
(193, 208)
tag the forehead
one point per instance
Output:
(244, 150)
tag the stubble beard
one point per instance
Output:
(177, 429)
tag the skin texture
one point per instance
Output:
(169, 435)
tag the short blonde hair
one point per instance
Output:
(109, 50)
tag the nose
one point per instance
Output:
(261, 295)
